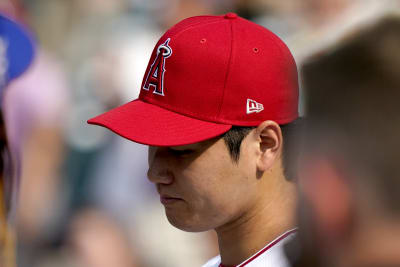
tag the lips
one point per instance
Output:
(167, 200)
(165, 197)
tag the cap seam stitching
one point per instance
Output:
(194, 26)
(227, 72)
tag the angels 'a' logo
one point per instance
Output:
(155, 76)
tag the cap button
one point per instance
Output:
(231, 15)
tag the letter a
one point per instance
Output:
(155, 76)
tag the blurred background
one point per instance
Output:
(84, 196)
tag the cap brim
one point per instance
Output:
(152, 125)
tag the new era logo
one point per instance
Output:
(253, 106)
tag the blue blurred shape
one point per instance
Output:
(16, 49)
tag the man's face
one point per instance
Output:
(200, 186)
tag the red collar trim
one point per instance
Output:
(270, 245)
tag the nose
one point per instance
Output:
(159, 166)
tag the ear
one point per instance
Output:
(269, 138)
(329, 196)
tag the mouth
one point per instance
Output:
(168, 200)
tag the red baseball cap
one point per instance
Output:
(206, 74)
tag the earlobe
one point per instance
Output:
(269, 137)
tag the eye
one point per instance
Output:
(179, 153)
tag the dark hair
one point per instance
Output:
(234, 137)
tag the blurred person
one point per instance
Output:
(349, 186)
(36, 134)
(217, 104)
(16, 54)
(33, 108)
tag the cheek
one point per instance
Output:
(213, 191)
(209, 179)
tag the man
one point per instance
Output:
(214, 99)
(16, 54)
(350, 189)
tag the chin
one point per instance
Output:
(188, 225)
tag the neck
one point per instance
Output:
(261, 224)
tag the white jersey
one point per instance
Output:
(272, 255)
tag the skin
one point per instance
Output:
(249, 203)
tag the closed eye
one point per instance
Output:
(183, 152)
